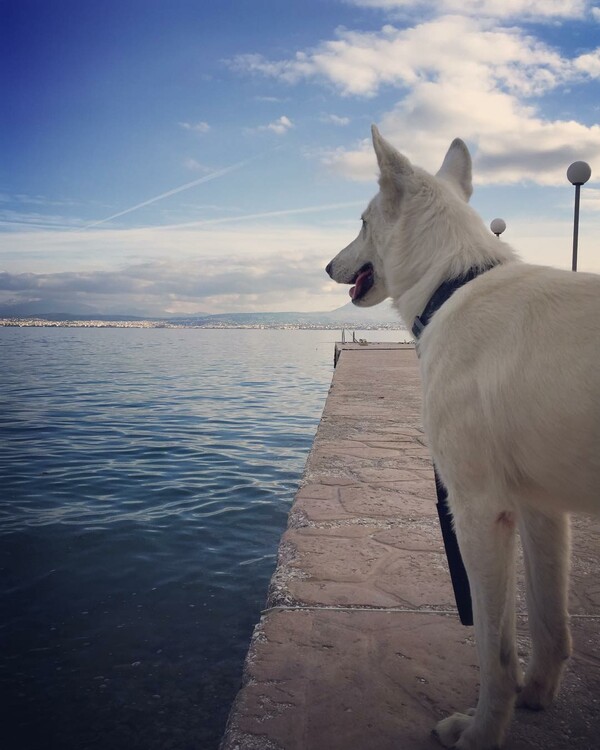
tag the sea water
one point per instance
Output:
(145, 480)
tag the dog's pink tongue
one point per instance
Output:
(355, 290)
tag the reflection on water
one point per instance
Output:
(146, 480)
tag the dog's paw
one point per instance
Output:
(537, 695)
(448, 731)
(460, 732)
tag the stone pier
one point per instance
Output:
(360, 646)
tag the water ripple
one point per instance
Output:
(146, 475)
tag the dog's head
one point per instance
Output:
(363, 262)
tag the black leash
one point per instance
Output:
(458, 574)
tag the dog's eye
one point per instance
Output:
(364, 225)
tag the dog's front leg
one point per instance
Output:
(486, 536)
(545, 539)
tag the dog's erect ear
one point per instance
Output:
(457, 167)
(392, 165)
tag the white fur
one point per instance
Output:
(510, 368)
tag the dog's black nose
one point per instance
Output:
(328, 267)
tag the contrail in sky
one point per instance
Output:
(181, 188)
(266, 214)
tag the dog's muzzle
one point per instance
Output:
(363, 280)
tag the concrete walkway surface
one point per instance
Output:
(360, 646)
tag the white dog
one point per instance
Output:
(510, 366)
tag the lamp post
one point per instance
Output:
(578, 174)
(498, 226)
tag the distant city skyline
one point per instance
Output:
(183, 157)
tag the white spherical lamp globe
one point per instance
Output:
(579, 173)
(498, 226)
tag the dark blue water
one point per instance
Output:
(146, 476)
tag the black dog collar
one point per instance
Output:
(442, 294)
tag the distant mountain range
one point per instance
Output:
(347, 316)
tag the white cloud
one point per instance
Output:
(196, 166)
(253, 239)
(596, 14)
(279, 126)
(549, 242)
(336, 120)
(255, 266)
(196, 127)
(512, 141)
(457, 76)
(11, 219)
(447, 48)
(590, 199)
(539, 9)
(589, 63)
(270, 99)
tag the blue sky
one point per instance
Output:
(189, 156)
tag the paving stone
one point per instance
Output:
(371, 680)
(360, 564)
(320, 503)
